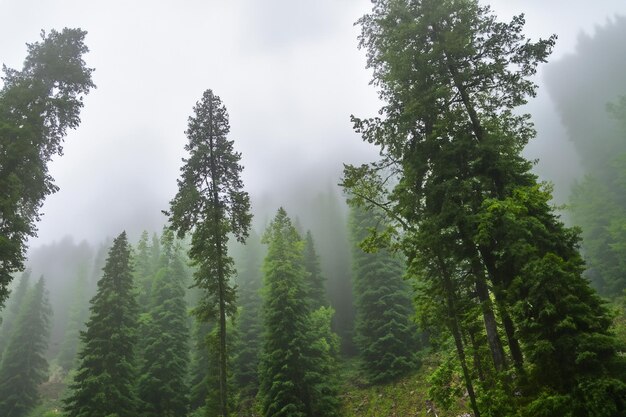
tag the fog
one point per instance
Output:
(289, 73)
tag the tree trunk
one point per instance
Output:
(456, 333)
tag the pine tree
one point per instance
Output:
(24, 366)
(211, 201)
(385, 335)
(162, 385)
(37, 107)
(105, 382)
(316, 290)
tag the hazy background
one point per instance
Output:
(288, 71)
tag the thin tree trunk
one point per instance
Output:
(456, 334)
(491, 326)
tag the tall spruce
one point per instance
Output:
(106, 378)
(467, 210)
(162, 385)
(211, 202)
(38, 105)
(385, 335)
(24, 366)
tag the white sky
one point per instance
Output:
(289, 72)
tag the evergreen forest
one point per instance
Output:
(441, 278)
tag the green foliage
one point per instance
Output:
(37, 107)
(316, 290)
(385, 335)
(282, 375)
(249, 321)
(162, 384)
(199, 367)
(296, 371)
(477, 229)
(13, 308)
(211, 201)
(24, 365)
(105, 381)
(322, 366)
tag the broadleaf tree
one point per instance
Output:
(211, 204)
(451, 175)
(38, 105)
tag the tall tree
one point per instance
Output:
(105, 382)
(24, 366)
(211, 202)
(385, 335)
(37, 107)
(162, 385)
(451, 76)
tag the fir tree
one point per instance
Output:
(105, 382)
(211, 201)
(24, 366)
(162, 386)
(385, 335)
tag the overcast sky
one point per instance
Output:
(289, 72)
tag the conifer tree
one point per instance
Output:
(199, 367)
(316, 290)
(162, 386)
(38, 105)
(249, 321)
(15, 303)
(297, 364)
(143, 270)
(106, 380)
(24, 366)
(385, 336)
(284, 391)
(211, 202)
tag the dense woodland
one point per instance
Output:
(437, 280)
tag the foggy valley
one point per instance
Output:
(356, 208)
